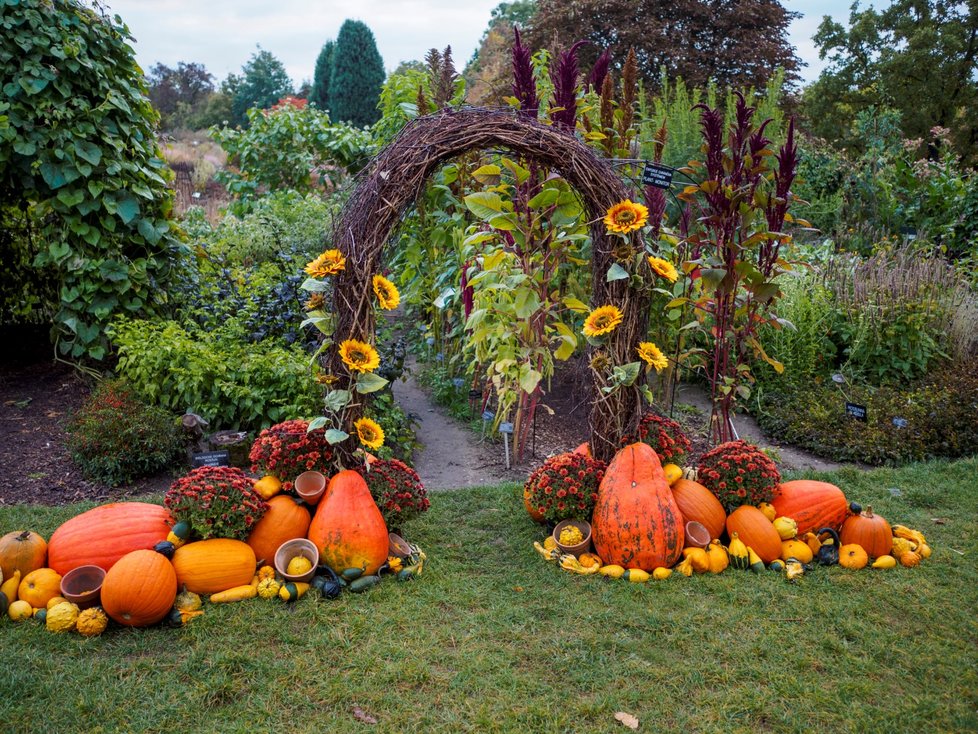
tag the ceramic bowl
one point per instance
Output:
(289, 550)
(83, 585)
(310, 486)
(697, 535)
(584, 546)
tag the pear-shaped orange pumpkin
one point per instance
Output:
(637, 522)
(348, 528)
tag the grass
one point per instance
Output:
(492, 639)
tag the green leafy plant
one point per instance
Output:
(397, 490)
(217, 374)
(78, 151)
(115, 438)
(217, 502)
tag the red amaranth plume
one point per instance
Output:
(524, 85)
(598, 72)
(564, 79)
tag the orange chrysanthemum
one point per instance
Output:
(386, 292)
(329, 263)
(652, 356)
(664, 269)
(602, 320)
(359, 356)
(370, 433)
(626, 216)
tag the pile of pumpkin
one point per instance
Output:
(638, 528)
(148, 558)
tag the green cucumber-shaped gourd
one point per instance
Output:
(363, 583)
(351, 574)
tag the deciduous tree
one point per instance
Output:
(263, 82)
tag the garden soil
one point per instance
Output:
(37, 396)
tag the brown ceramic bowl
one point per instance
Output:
(697, 535)
(310, 486)
(289, 550)
(398, 546)
(584, 546)
(83, 585)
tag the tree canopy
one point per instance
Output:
(919, 57)
(737, 43)
(357, 77)
(262, 83)
(319, 95)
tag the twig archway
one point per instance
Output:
(397, 175)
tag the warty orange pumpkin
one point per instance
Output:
(637, 522)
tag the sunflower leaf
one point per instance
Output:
(369, 382)
(616, 272)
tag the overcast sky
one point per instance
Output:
(222, 34)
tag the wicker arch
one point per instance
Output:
(395, 177)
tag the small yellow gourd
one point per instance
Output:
(737, 551)
(62, 617)
(268, 588)
(92, 622)
(612, 571)
(187, 601)
(236, 593)
(768, 510)
(299, 565)
(885, 562)
(55, 600)
(672, 472)
(795, 548)
(717, 556)
(636, 575)
(661, 573)
(20, 610)
(268, 486)
(265, 572)
(698, 558)
(787, 528)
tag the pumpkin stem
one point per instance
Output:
(868, 512)
(25, 535)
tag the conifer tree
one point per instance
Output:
(320, 80)
(357, 77)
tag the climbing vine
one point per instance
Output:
(80, 172)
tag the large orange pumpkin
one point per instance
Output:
(22, 550)
(210, 566)
(756, 531)
(699, 504)
(813, 505)
(868, 530)
(637, 523)
(348, 528)
(285, 519)
(139, 589)
(104, 534)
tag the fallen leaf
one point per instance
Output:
(517, 588)
(627, 719)
(360, 715)
(939, 521)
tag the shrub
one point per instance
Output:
(232, 384)
(115, 438)
(397, 490)
(217, 502)
(287, 449)
(738, 473)
(565, 487)
(665, 436)
(940, 412)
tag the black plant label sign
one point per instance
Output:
(657, 175)
(858, 412)
(211, 458)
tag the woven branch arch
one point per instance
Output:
(397, 175)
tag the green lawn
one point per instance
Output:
(491, 639)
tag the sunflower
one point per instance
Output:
(370, 433)
(329, 263)
(664, 269)
(386, 293)
(652, 356)
(602, 320)
(316, 302)
(626, 216)
(359, 356)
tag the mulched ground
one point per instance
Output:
(37, 396)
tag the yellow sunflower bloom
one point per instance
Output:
(664, 269)
(626, 216)
(652, 356)
(386, 293)
(370, 433)
(602, 320)
(329, 263)
(359, 356)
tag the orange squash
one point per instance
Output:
(699, 504)
(637, 522)
(217, 564)
(813, 505)
(22, 550)
(139, 589)
(104, 534)
(756, 531)
(39, 586)
(853, 555)
(870, 531)
(285, 519)
(348, 528)
(533, 512)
